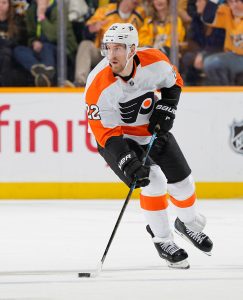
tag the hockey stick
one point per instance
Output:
(99, 267)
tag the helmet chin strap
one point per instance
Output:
(128, 59)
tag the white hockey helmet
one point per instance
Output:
(121, 33)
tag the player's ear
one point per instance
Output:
(132, 51)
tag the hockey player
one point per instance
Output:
(123, 113)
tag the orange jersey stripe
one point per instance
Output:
(141, 130)
(184, 203)
(101, 81)
(153, 203)
(150, 56)
(102, 134)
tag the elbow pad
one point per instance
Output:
(171, 95)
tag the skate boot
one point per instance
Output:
(174, 256)
(192, 232)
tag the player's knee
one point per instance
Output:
(158, 182)
(182, 189)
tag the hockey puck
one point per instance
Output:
(84, 275)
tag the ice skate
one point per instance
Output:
(192, 232)
(174, 256)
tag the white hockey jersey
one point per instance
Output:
(116, 107)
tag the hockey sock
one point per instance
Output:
(182, 195)
(186, 208)
(156, 214)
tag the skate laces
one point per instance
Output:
(197, 236)
(169, 247)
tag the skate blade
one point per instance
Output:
(179, 265)
(186, 239)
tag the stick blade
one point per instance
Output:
(92, 274)
(84, 275)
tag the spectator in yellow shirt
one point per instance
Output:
(156, 31)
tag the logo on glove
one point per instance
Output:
(166, 108)
(124, 160)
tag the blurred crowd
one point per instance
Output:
(209, 33)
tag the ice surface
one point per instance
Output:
(72, 235)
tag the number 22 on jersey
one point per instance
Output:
(93, 112)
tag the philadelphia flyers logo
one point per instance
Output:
(141, 105)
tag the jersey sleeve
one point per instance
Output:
(170, 75)
(167, 74)
(101, 115)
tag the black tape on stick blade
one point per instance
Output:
(84, 274)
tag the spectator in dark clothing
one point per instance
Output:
(226, 68)
(10, 35)
(192, 8)
(202, 41)
(39, 57)
(79, 11)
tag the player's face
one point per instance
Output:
(236, 6)
(117, 56)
